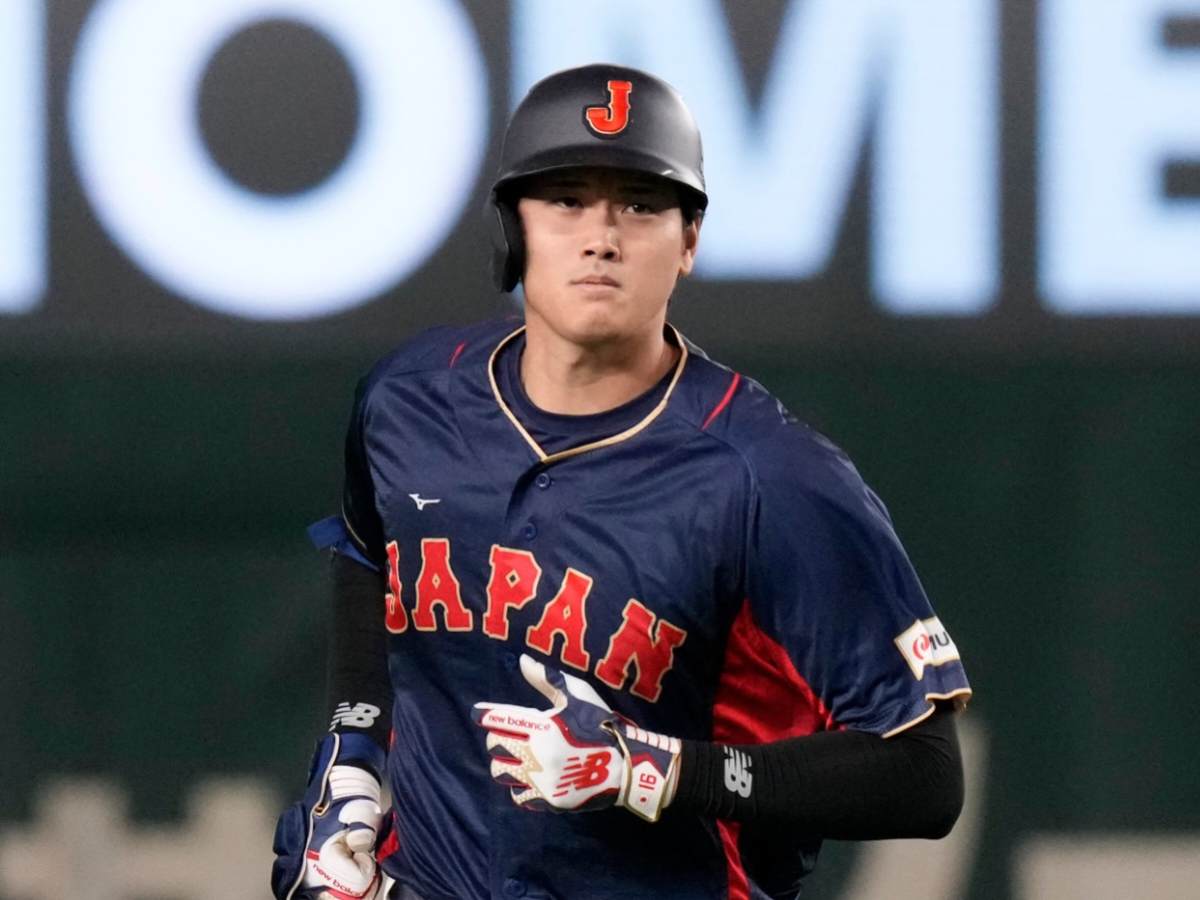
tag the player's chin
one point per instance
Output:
(598, 328)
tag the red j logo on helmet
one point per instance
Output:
(611, 119)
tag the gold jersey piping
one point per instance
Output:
(548, 458)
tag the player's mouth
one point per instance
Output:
(603, 280)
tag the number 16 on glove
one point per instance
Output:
(579, 754)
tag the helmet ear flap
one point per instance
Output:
(508, 243)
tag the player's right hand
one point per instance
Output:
(579, 754)
(325, 844)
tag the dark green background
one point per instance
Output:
(163, 610)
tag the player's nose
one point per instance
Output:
(602, 240)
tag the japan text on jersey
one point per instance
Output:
(715, 569)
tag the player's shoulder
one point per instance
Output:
(438, 349)
(781, 452)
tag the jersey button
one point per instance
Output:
(514, 887)
(511, 662)
(542, 481)
(529, 531)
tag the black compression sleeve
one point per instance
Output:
(358, 682)
(842, 785)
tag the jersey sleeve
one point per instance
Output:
(830, 583)
(359, 512)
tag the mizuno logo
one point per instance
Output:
(737, 772)
(423, 502)
(360, 715)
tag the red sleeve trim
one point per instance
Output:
(391, 843)
(733, 384)
(761, 697)
(739, 884)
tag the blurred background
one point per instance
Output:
(961, 237)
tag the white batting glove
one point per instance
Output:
(325, 844)
(343, 866)
(579, 754)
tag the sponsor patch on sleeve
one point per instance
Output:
(926, 643)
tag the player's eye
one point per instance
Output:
(645, 207)
(567, 201)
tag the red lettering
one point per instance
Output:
(394, 616)
(638, 640)
(565, 615)
(513, 582)
(437, 585)
(613, 118)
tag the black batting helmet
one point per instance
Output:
(596, 115)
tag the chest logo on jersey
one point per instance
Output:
(643, 642)
(926, 643)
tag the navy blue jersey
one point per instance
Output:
(714, 568)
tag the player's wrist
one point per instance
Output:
(701, 786)
(651, 769)
(358, 749)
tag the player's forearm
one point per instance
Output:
(359, 689)
(843, 785)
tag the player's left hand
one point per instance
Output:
(579, 754)
(324, 845)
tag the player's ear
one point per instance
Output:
(691, 240)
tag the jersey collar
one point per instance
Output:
(547, 458)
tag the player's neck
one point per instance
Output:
(562, 377)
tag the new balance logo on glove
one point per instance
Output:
(737, 772)
(360, 715)
(582, 773)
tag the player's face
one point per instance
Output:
(603, 251)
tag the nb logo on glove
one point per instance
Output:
(580, 774)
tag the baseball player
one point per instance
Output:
(582, 570)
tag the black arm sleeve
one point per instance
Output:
(358, 491)
(842, 785)
(357, 673)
